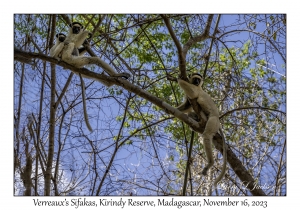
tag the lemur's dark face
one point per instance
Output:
(76, 28)
(61, 37)
(195, 79)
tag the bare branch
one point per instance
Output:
(66, 18)
(53, 109)
(251, 107)
(181, 56)
(259, 34)
(199, 38)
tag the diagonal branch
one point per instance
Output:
(181, 56)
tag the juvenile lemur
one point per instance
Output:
(193, 89)
(75, 38)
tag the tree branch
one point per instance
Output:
(181, 56)
(199, 38)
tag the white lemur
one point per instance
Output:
(193, 89)
(75, 38)
(55, 52)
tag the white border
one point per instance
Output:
(154, 6)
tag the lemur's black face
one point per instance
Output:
(195, 79)
(61, 37)
(76, 28)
